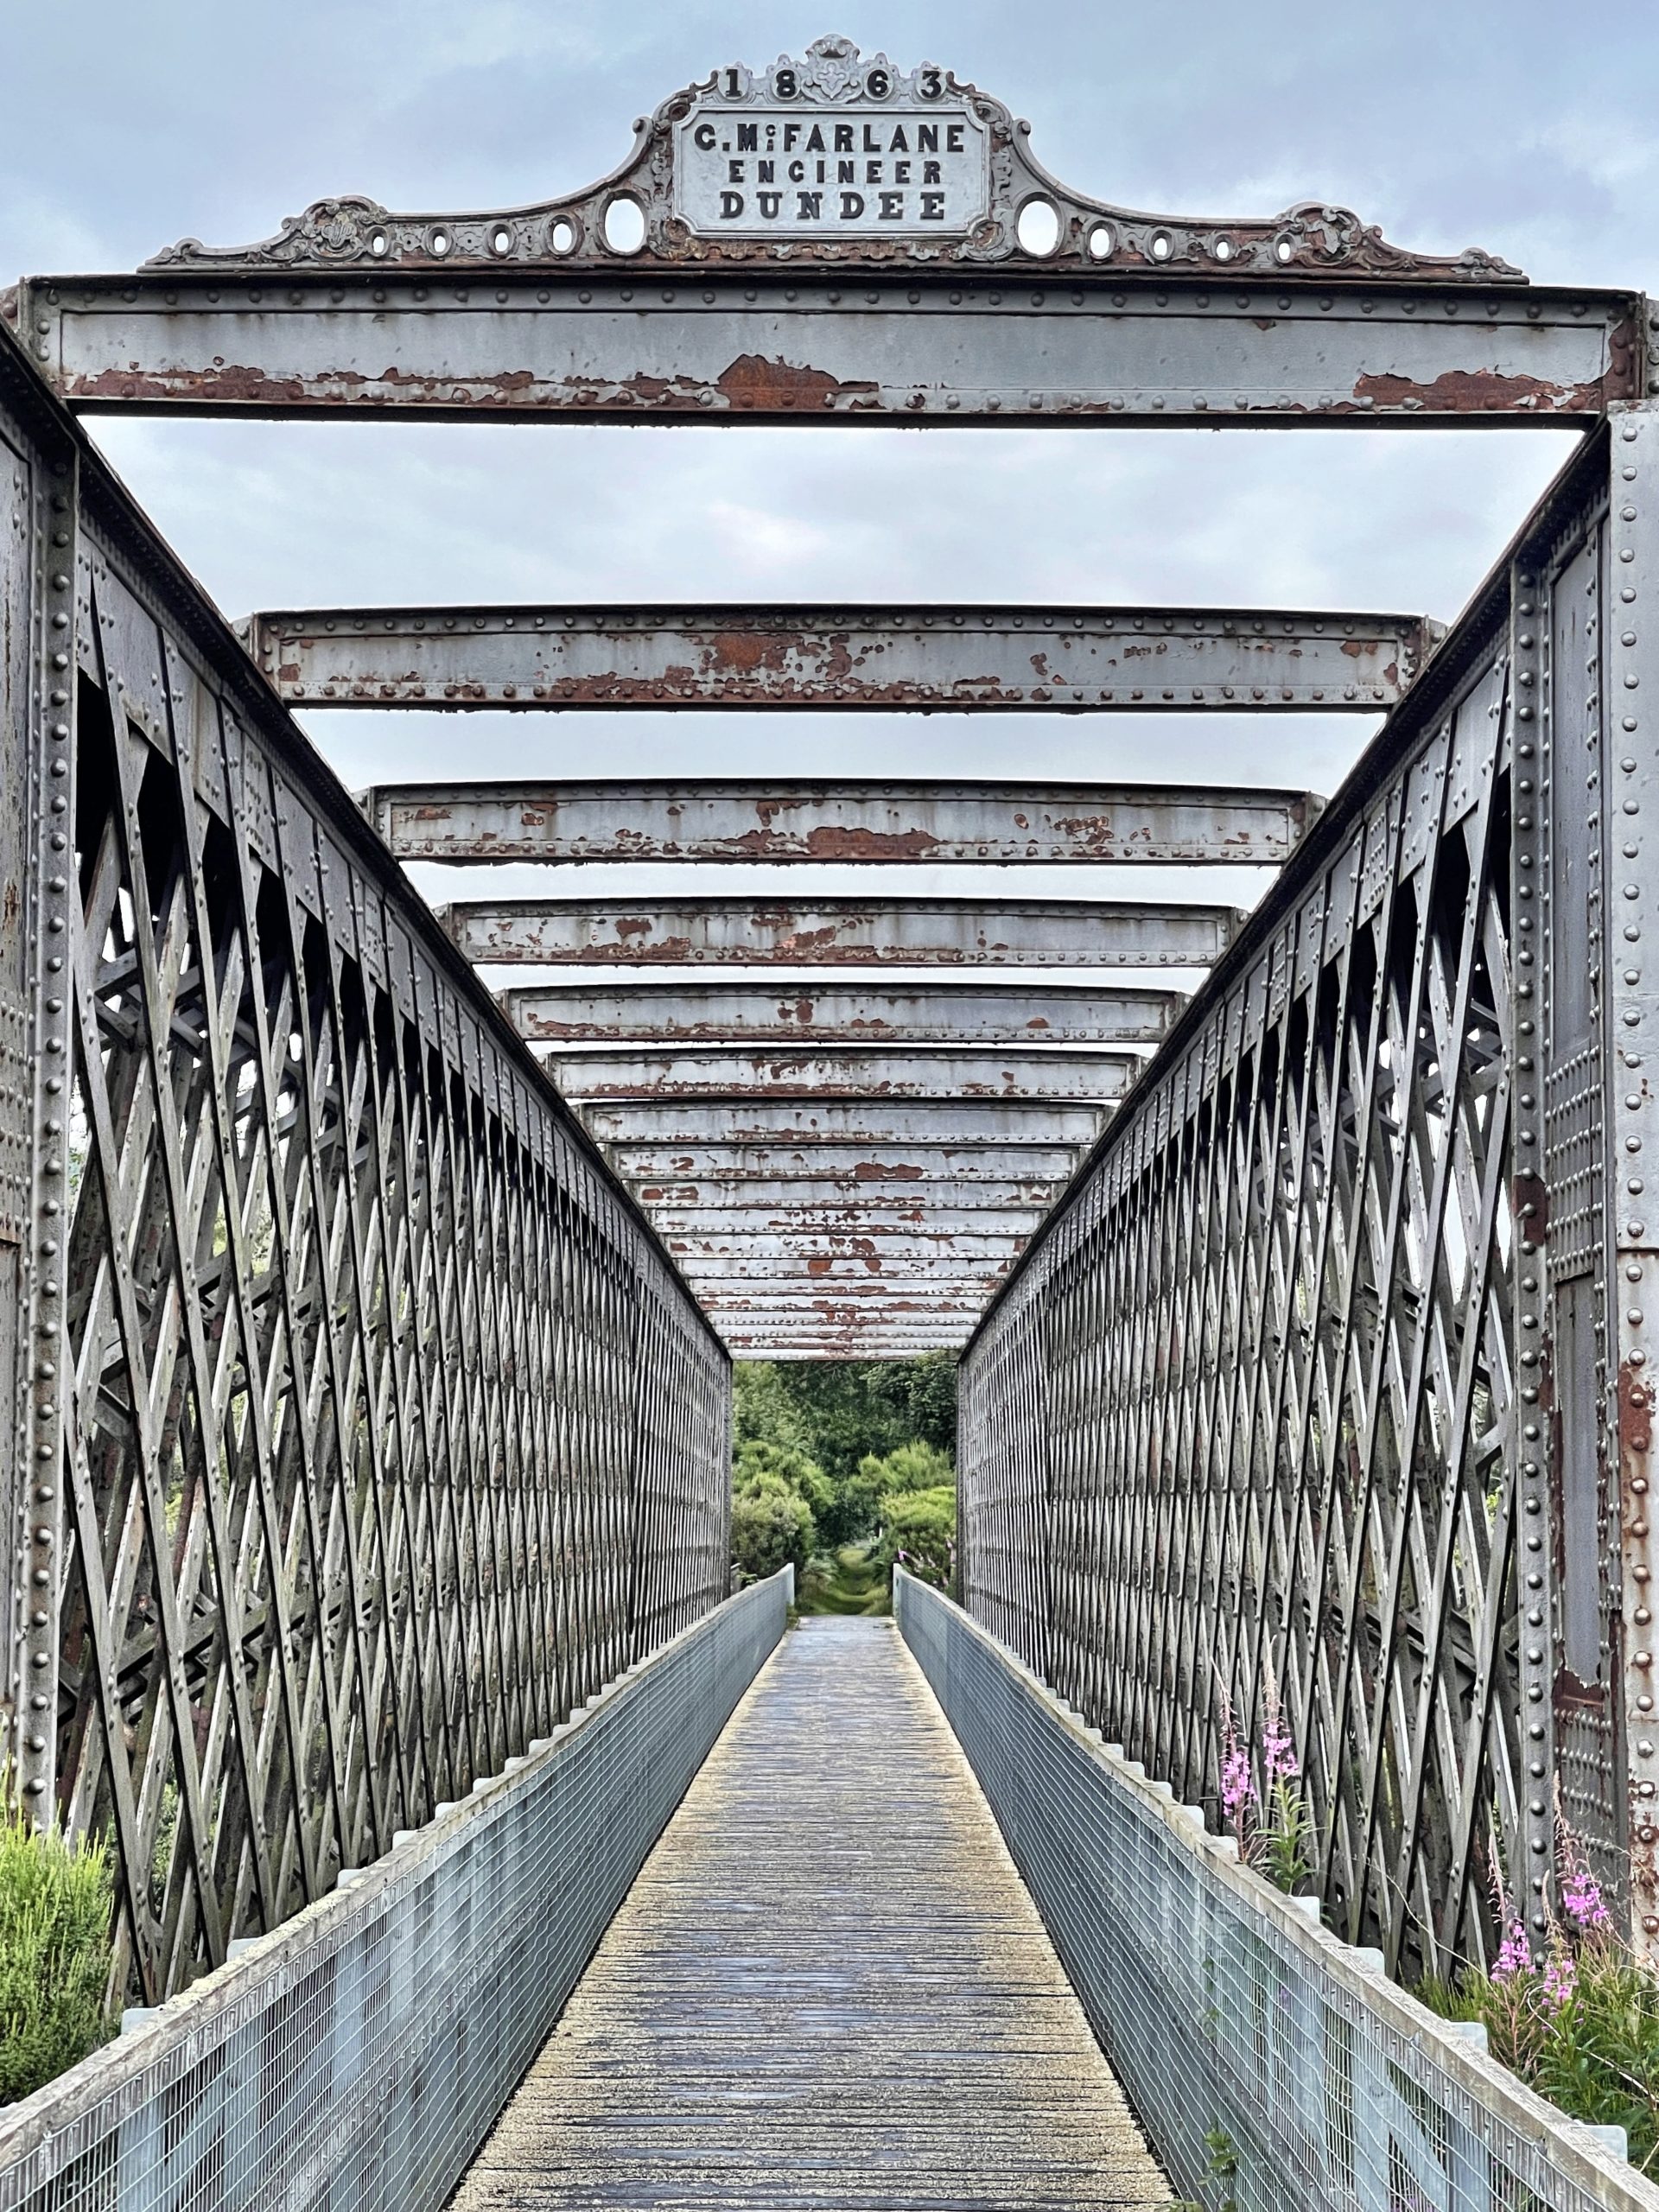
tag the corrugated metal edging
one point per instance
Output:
(1406, 727)
(361, 2054)
(1275, 2068)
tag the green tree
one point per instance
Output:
(56, 1901)
(772, 1527)
(919, 1532)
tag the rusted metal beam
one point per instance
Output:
(881, 1210)
(839, 933)
(936, 1014)
(892, 1169)
(1066, 824)
(928, 1072)
(948, 1251)
(918, 345)
(868, 1123)
(843, 1303)
(839, 658)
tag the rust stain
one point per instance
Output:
(1635, 1428)
(1478, 391)
(1532, 1204)
(876, 1170)
(753, 381)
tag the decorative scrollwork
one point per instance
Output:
(748, 168)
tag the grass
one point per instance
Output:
(849, 1580)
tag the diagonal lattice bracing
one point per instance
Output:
(1286, 1401)
(387, 1432)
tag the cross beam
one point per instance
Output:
(919, 346)
(891, 1170)
(868, 1123)
(839, 933)
(838, 659)
(786, 821)
(877, 1212)
(939, 1251)
(890, 1072)
(940, 1013)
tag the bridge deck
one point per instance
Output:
(828, 1988)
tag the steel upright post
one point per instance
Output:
(37, 760)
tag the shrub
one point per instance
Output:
(56, 1902)
(771, 1527)
(919, 1532)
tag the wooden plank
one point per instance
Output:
(829, 1987)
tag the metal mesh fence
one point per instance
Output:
(358, 2055)
(1271, 2066)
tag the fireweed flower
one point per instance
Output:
(1278, 1754)
(1515, 1954)
(1561, 1980)
(1582, 1899)
(1238, 1789)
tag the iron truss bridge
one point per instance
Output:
(370, 1271)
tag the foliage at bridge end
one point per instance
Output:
(56, 1905)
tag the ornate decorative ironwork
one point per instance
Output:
(748, 166)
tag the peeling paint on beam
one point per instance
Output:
(938, 1071)
(690, 1207)
(870, 1123)
(916, 345)
(717, 1168)
(839, 933)
(947, 1254)
(941, 1014)
(843, 658)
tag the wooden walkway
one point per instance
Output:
(827, 1988)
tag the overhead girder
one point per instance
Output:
(943, 1254)
(839, 933)
(839, 658)
(890, 1072)
(890, 1169)
(787, 1205)
(934, 1013)
(918, 345)
(951, 1124)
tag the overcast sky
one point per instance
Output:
(1522, 127)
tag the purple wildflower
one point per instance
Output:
(1581, 1895)
(1237, 1788)
(1278, 1753)
(1515, 1955)
(1561, 1980)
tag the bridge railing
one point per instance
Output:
(1274, 2068)
(356, 1426)
(360, 2054)
(1324, 1395)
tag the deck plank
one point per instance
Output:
(828, 1988)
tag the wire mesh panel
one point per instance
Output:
(367, 1429)
(360, 2057)
(1295, 1425)
(1275, 2068)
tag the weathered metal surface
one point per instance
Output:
(846, 823)
(892, 1071)
(924, 346)
(839, 659)
(891, 1170)
(940, 1013)
(1290, 1330)
(788, 1213)
(691, 2031)
(871, 1124)
(370, 1427)
(807, 1268)
(839, 933)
